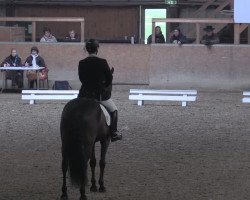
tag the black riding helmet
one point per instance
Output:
(92, 45)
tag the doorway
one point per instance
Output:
(154, 13)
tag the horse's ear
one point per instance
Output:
(112, 70)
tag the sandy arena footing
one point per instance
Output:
(169, 152)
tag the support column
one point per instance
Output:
(82, 31)
(197, 33)
(153, 32)
(236, 33)
(248, 38)
(33, 31)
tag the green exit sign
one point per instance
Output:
(171, 2)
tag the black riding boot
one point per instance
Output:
(114, 135)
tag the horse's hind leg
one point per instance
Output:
(82, 191)
(93, 187)
(102, 163)
(83, 183)
(64, 195)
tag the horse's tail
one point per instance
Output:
(77, 134)
(77, 163)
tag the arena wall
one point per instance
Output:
(157, 65)
(197, 66)
(130, 61)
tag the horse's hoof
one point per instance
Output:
(93, 189)
(83, 198)
(102, 189)
(64, 197)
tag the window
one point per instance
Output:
(241, 11)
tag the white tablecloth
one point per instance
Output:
(23, 68)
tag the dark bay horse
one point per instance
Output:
(82, 125)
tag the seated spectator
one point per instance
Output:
(210, 37)
(13, 60)
(47, 37)
(177, 37)
(159, 37)
(34, 60)
(72, 37)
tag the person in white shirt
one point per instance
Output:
(34, 60)
(48, 37)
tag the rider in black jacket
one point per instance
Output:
(96, 78)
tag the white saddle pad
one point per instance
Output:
(107, 115)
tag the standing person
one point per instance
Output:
(177, 37)
(159, 37)
(13, 60)
(34, 60)
(96, 78)
(210, 37)
(47, 37)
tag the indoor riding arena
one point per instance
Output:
(170, 150)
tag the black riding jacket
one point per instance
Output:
(96, 78)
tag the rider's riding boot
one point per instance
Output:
(114, 135)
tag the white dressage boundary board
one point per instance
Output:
(33, 95)
(246, 97)
(142, 95)
(242, 11)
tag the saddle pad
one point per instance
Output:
(107, 115)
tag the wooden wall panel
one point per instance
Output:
(2, 13)
(106, 23)
(12, 34)
(90, 2)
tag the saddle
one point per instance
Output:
(106, 114)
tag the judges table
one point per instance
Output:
(21, 68)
